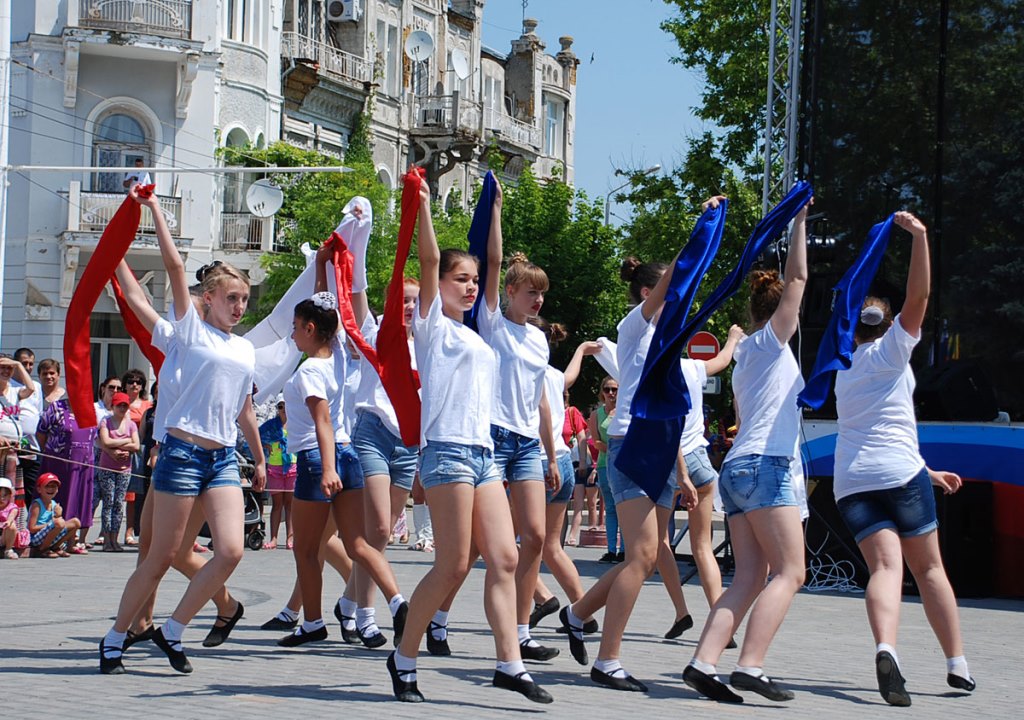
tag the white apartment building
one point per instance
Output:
(103, 82)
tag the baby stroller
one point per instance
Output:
(255, 533)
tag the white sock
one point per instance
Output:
(173, 630)
(113, 643)
(575, 624)
(524, 636)
(755, 672)
(309, 626)
(406, 664)
(288, 615)
(440, 619)
(958, 666)
(348, 607)
(706, 668)
(366, 621)
(513, 668)
(395, 602)
(886, 647)
(611, 667)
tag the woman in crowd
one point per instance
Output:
(197, 455)
(597, 426)
(882, 485)
(575, 435)
(759, 488)
(462, 484)
(68, 451)
(133, 383)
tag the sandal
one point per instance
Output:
(63, 553)
(79, 550)
(269, 546)
(130, 540)
(572, 542)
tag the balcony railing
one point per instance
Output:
(445, 112)
(242, 231)
(330, 60)
(171, 18)
(513, 130)
(92, 211)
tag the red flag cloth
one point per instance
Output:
(400, 381)
(343, 263)
(112, 247)
(142, 337)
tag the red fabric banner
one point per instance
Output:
(112, 247)
(343, 263)
(400, 381)
(142, 336)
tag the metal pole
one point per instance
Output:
(5, 115)
(940, 144)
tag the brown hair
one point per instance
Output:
(135, 374)
(606, 378)
(521, 271)
(554, 332)
(48, 364)
(641, 275)
(868, 333)
(324, 320)
(452, 257)
(765, 292)
(214, 275)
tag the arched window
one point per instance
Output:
(119, 140)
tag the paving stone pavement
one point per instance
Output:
(55, 611)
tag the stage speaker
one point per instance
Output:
(826, 537)
(958, 390)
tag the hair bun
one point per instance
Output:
(629, 266)
(761, 280)
(557, 332)
(518, 258)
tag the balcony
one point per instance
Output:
(327, 59)
(446, 114)
(167, 18)
(246, 232)
(512, 130)
(91, 211)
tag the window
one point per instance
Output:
(493, 95)
(421, 78)
(554, 127)
(111, 346)
(119, 141)
(387, 50)
(310, 18)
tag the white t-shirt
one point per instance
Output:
(370, 395)
(135, 176)
(320, 378)
(457, 370)
(10, 420)
(349, 391)
(29, 411)
(522, 353)
(554, 386)
(766, 381)
(696, 374)
(216, 372)
(877, 445)
(169, 379)
(635, 334)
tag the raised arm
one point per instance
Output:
(919, 275)
(494, 253)
(136, 298)
(21, 375)
(572, 370)
(787, 314)
(430, 254)
(323, 256)
(721, 361)
(169, 252)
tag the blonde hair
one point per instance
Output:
(869, 333)
(218, 273)
(521, 270)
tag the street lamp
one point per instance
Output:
(608, 198)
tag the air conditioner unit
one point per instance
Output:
(344, 10)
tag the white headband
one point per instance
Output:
(325, 301)
(872, 315)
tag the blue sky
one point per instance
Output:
(633, 105)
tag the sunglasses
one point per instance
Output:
(135, 382)
(115, 388)
(609, 389)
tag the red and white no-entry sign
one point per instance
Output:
(703, 346)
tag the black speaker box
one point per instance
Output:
(958, 390)
(826, 536)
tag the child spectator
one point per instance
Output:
(119, 440)
(51, 534)
(281, 474)
(14, 539)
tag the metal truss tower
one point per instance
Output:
(782, 106)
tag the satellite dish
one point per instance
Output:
(460, 64)
(264, 198)
(419, 45)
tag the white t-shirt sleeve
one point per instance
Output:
(311, 382)
(163, 335)
(189, 329)
(896, 346)
(632, 327)
(433, 319)
(767, 341)
(489, 321)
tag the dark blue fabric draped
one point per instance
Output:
(479, 231)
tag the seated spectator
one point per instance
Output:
(13, 539)
(51, 534)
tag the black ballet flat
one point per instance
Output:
(577, 647)
(141, 636)
(349, 637)
(959, 683)
(110, 666)
(277, 624)
(372, 641)
(548, 607)
(537, 652)
(679, 627)
(891, 683)
(299, 637)
(218, 634)
(399, 622)
(405, 691)
(527, 688)
(763, 686)
(628, 683)
(437, 648)
(177, 658)
(709, 687)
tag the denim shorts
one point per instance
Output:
(909, 509)
(188, 470)
(752, 482)
(516, 456)
(311, 470)
(381, 453)
(442, 463)
(623, 488)
(699, 467)
(568, 481)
